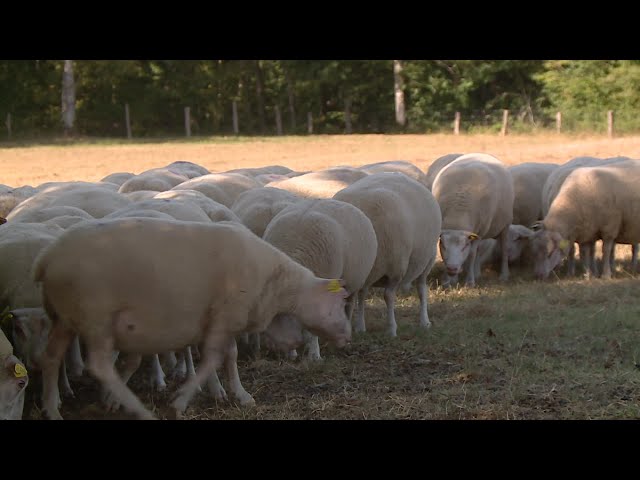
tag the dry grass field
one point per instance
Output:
(561, 349)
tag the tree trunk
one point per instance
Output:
(260, 96)
(292, 111)
(347, 114)
(68, 98)
(398, 86)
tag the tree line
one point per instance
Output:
(359, 96)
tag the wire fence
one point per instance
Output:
(190, 121)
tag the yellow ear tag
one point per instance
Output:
(19, 371)
(563, 244)
(334, 286)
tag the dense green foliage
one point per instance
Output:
(158, 90)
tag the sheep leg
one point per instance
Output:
(235, 386)
(131, 365)
(607, 248)
(504, 260)
(170, 361)
(586, 255)
(157, 375)
(101, 367)
(390, 300)
(74, 358)
(215, 387)
(423, 294)
(473, 252)
(191, 371)
(613, 257)
(312, 346)
(254, 344)
(360, 325)
(67, 391)
(59, 340)
(571, 266)
(213, 352)
(351, 305)
(180, 370)
(634, 258)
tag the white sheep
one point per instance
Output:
(593, 203)
(256, 208)
(13, 382)
(320, 184)
(95, 199)
(158, 179)
(20, 243)
(11, 197)
(267, 170)
(437, 165)
(402, 166)
(118, 178)
(179, 209)
(214, 210)
(331, 238)
(528, 181)
(475, 193)
(187, 169)
(223, 188)
(407, 222)
(550, 190)
(164, 285)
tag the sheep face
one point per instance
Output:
(454, 249)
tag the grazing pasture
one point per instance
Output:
(567, 348)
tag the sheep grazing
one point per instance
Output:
(164, 285)
(12, 197)
(187, 169)
(407, 222)
(475, 193)
(321, 184)
(223, 188)
(256, 208)
(118, 178)
(214, 210)
(13, 382)
(157, 179)
(402, 166)
(95, 199)
(49, 213)
(593, 203)
(20, 244)
(528, 182)
(179, 209)
(331, 238)
(489, 251)
(551, 189)
(268, 170)
(437, 165)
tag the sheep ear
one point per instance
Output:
(473, 236)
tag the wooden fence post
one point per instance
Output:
(456, 124)
(309, 123)
(278, 120)
(127, 120)
(610, 123)
(505, 122)
(8, 125)
(558, 121)
(234, 107)
(187, 121)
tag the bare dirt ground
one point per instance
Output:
(39, 164)
(562, 349)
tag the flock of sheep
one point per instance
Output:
(177, 262)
